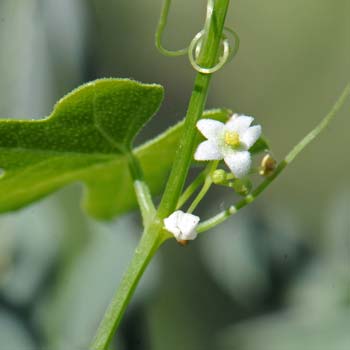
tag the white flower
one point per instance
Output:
(182, 225)
(230, 142)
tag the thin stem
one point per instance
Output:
(205, 188)
(148, 245)
(207, 58)
(233, 209)
(191, 189)
(143, 194)
(142, 191)
(159, 33)
(145, 202)
(321, 126)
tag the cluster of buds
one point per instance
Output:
(240, 186)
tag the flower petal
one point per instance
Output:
(182, 225)
(239, 163)
(210, 128)
(251, 135)
(239, 123)
(207, 150)
(187, 226)
(170, 223)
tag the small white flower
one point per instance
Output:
(230, 142)
(182, 225)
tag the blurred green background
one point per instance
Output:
(276, 276)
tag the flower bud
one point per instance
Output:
(267, 166)
(242, 186)
(182, 225)
(219, 176)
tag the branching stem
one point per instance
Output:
(233, 209)
(206, 186)
(207, 57)
(191, 189)
(154, 234)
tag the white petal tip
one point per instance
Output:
(251, 135)
(210, 128)
(239, 163)
(207, 150)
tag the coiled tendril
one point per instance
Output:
(193, 50)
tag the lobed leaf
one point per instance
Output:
(86, 139)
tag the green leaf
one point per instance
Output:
(157, 156)
(261, 145)
(82, 142)
(85, 139)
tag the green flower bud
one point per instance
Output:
(242, 186)
(219, 176)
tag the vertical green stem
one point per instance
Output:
(207, 58)
(149, 243)
(154, 235)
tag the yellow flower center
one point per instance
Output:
(232, 138)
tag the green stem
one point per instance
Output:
(143, 194)
(233, 209)
(142, 191)
(148, 245)
(159, 33)
(206, 186)
(191, 189)
(154, 234)
(208, 55)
